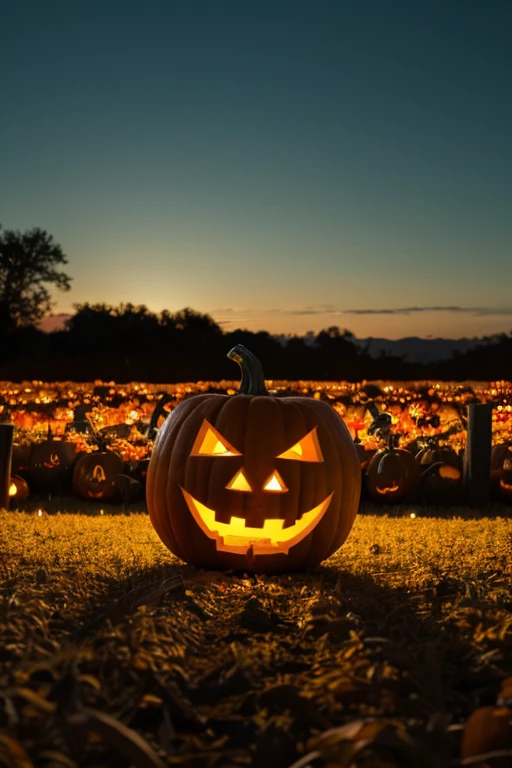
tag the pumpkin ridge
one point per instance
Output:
(293, 415)
(348, 474)
(194, 468)
(159, 471)
(264, 433)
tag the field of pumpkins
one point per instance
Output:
(94, 440)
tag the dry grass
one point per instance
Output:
(112, 653)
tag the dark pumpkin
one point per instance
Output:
(489, 729)
(392, 475)
(50, 464)
(18, 489)
(501, 471)
(253, 482)
(95, 475)
(442, 484)
(435, 454)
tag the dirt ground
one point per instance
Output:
(113, 653)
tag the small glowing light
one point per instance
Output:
(413, 515)
(101, 512)
(39, 512)
(12, 489)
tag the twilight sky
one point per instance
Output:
(281, 164)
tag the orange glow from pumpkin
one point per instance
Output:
(13, 489)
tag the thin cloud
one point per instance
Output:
(412, 310)
(337, 311)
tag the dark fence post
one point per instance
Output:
(6, 439)
(477, 455)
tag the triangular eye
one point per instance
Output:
(239, 483)
(209, 442)
(307, 449)
(275, 483)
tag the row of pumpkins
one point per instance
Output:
(432, 472)
(56, 466)
(390, 474)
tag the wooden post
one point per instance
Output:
(6, 439)
(477, 455)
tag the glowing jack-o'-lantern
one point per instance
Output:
(501, 472)
(251, 481)
(50, 463)
(392, 474)
(95, 475)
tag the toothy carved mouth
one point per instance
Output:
(505, 486)
(239, 538)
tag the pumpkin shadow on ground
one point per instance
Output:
(390, 647)
(313, 650)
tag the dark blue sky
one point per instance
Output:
(282, 165)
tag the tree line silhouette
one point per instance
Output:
(131, 343)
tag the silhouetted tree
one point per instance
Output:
(28, 264)
(338, 354)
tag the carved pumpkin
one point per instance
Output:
(501, 471)
(18, 489)
(489, 729)
(251, 481)
(95, 475)
(50, 463)
(392, 474)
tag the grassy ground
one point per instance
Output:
(112, 653)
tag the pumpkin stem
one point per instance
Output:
(253, 382)
(393, 441)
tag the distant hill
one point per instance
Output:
(416, 350)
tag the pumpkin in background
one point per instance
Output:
(50, 463)
(489, 729)
(433, 453)
(501, 471)
(253, 482)
(95, 475)
(442, 484)
(392, 474)
(18, 489)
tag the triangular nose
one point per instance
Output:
(275, 483)
(239, 482)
